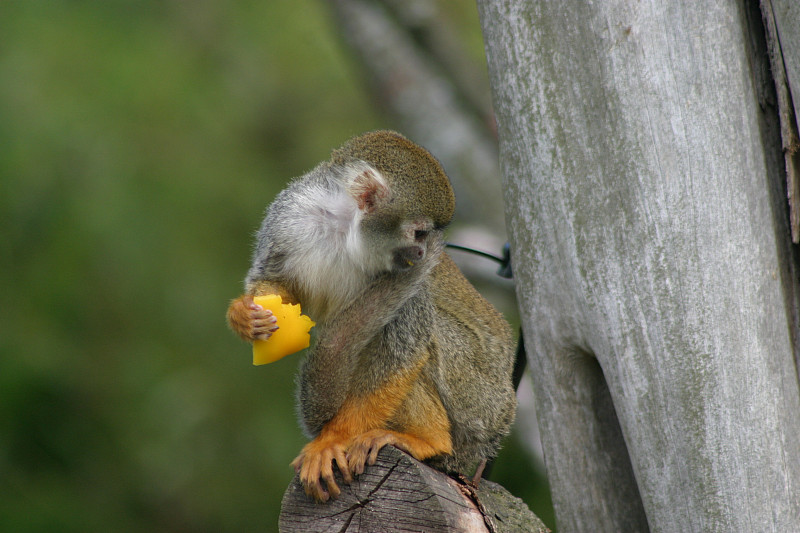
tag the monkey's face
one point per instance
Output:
(393, 233)
(416, 237)
(399, 244)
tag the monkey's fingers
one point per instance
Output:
(308, 467)
(326, 473)
(315, 464)
(356, 458)
(341, 462)
(314, 489)
(263, 328)
(250, 303)
(366, 446)
(250, 320)
(297, 463)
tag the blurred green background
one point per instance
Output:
(139, 145)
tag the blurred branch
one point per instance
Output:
(419, 75)
(436, 38)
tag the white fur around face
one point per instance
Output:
(330, 262)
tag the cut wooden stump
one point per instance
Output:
(400, 493)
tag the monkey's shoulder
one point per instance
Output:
(455, 296)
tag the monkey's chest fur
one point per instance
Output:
(456, 351)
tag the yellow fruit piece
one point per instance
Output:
(292, 335)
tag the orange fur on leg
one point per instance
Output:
(358, 431)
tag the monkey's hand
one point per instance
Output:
(251, 321)
(366, 446)
(315, 464)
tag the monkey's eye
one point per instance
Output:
(420, 234)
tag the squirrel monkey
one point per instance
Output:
(407, 352)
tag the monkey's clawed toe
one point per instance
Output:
(365, 448)
(314, 466)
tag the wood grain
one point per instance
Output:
(399, 493)
(651, 249)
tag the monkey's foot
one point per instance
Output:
(366, 446)
(315, 464)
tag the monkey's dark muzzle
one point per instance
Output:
(407, 256)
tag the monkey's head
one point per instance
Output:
(403, 195)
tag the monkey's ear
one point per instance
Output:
(368, 188)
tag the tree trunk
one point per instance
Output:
(400, 494)
(643, 176)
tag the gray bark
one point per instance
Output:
(787, 20)
(782, 24)
(643, 178)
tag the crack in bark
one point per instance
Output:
(385, 478)
(363, 502)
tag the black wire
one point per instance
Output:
(474, 251)
(505, 261)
